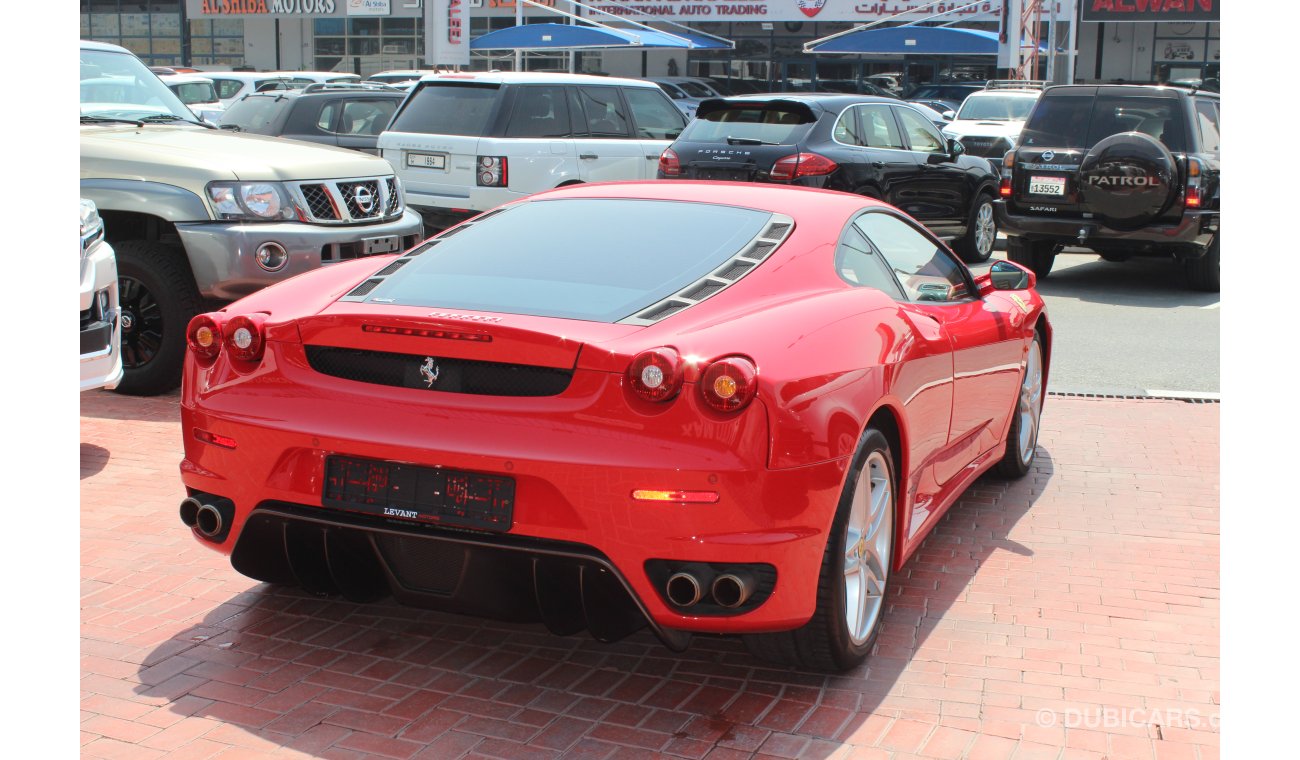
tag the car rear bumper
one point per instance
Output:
(223, 255)
(101, 355)
(575, 460)
(1193, 233)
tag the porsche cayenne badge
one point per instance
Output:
(429, 371)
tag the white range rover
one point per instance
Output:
(465, 143)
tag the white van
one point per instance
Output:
(468, 142)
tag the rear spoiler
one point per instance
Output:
(805, 111)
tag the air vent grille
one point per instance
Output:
(393, 267)
(364, 288)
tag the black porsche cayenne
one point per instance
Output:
(877, 147)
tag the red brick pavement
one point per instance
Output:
(1084, 596)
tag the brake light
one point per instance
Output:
(493, 171)
(729, 384)
(681, 497)
(669, 164)
(244, 337)
(656, 375)
(802, 165)
(1008, 163)
(224, 441)
(203, 336)
(1192, 193)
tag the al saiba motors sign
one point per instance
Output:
(1150, 10)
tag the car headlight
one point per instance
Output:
(92, 225)
(251, 200)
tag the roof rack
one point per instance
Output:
(335, 86)
(1015, 84)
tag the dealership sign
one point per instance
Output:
(446, 33)
(301, 8)
(1150, 10)
(799, 10)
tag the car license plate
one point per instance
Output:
(385, 244)
(1047, 185)
(427, 160)
(430, 495)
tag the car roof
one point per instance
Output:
(186, 78)
(1006, 91)
(1132, 89)
(533, 77)
(833, 99)
(92, 45)
(245, 76)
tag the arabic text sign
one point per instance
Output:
(795, 10)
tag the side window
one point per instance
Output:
(605, 117)
(921, 135)
(655, 116)
(366, 117)
(879, 130)
(226, 88)
(1207, 117)
(325, 122)
(846, 128)
(925, 269)
(539, 112)
(857, 263)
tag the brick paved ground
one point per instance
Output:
(1090, 586)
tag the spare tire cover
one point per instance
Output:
(1128, 179)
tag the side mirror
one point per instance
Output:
(955, 148)
(949, 115)
(1005, 275)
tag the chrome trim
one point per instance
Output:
(340, 203)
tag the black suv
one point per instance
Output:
(349, 115)
(1124, 170)
(882, 148)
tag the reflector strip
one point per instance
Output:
(686, 497)
(223, 441)
(417, 333)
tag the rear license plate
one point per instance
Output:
(385, 244)
(420, 494)
(427, 160)
(1047, 185)
(724, 175)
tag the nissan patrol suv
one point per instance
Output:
(1123, 170)
(198, 215)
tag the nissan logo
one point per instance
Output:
(1048, 155)
(365, 198)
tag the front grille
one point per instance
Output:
(452, 375)
(331, 202)
(87, 317)
(986, 147)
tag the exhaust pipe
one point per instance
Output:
(190, 511)
(209, 521)
(683, 589)
(732, 589)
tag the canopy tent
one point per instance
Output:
(583, 37)
(924, 40)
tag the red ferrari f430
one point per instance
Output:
(702, 407)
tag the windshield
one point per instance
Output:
(598, 260)
(1059, 121)
(996, 108)
(193, 93)
(117, 85)
(772, 124)
(696, 90)
(440, 108)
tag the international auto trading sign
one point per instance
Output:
(1150, 10)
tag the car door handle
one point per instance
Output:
(878, 164)
(588, 155)
(652, 158)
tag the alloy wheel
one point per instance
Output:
(867, 547)
(142, 323)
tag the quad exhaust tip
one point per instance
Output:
(731, 590)
(208, 515)
(683, 589)
(190, 511)
(208, 521)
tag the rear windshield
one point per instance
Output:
(996, 108)
(1058, 121)
(769, 124)
(443, 108)
(598, 260)
(255, 114)
(195, 92)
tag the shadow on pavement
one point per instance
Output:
(93, 459)
(1146, 282)
(287, 669)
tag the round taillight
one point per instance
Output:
(729, 384)
(203, 336)
(656, 375)
(243, 337)
(669, 164)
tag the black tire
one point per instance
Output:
(1015, 463)
(1203, 273)
(969, 247)
(824, 643)
(1035, 255)
(158, 299)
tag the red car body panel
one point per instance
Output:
(831, 357)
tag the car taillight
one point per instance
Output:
(729, 384)
(1192, 193)
(669, 164)
(802, 165)
(203, 336)
(244, 337)
(1008, 163)
(493, 171)
(656, 375)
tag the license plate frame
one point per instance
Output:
(377, 245)
(418, 493)
(1047, 185)
(427, 160)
